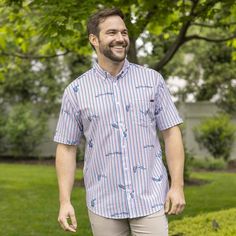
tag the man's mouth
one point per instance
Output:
(118, 46)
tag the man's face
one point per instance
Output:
(113, 39)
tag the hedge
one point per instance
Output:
(221, 223)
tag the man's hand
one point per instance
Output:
(67, 213)
(175, 201)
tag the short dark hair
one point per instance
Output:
(98, 17)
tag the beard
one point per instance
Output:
(106, 50)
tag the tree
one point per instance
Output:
(24, 130)
(217, 135)
(209, 73)
(52, 36)
(54, 26)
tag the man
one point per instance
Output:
(118, 106)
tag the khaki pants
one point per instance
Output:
(153, 225)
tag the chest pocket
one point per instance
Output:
(143, 112)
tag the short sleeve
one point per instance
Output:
(69, 127)
(166, 114)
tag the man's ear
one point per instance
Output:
(93, 39)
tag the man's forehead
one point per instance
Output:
(112, 23)
(112, 28)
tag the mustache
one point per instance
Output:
(124, 44)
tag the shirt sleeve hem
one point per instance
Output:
(170, 125)
(65, 140)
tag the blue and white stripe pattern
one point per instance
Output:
(119, 116)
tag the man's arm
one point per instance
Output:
(174, 150)
(65, 167)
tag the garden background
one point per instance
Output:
(44, 46)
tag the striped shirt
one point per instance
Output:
(119, 116)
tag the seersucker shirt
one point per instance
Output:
(119, 116)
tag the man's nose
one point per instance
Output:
(119, 37)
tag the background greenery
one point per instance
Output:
(217, 135)
(210, 224)
(29, 202)
(44, 46)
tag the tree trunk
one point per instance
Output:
(132, 54)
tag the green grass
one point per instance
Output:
(218, 194)
(29, 200)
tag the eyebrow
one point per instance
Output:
(115, 30)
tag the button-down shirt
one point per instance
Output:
(119, 116)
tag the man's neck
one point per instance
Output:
(113, 68)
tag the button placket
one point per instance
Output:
(123, 140)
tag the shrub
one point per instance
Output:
(81, 150)
(216, 134)
(24, 130)
(210, 224)
(209, 164)
(187, 161)
(2, 125)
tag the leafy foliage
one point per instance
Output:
(40, 31)
(2, 132)
(209, 164)
(24, 130)
(42, 28)
(35, 64)
(217, 135)
(208, 72)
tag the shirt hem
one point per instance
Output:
(132, 217)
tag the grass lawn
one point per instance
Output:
(29, 200)
(218, 194)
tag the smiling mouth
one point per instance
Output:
(119, 47)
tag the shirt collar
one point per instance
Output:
(105, 75)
